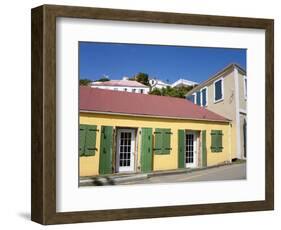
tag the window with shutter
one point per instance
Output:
(87, 140)
(90, 140)
(218, 90)
(216, 141)
(204, 96)
(82, 137)
(198, 98)
(162, 141)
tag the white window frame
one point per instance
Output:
(222, 90)
(245, 86)
(201, 95)
(194, 94)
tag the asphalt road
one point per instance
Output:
(229, 172)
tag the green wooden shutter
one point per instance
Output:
(162, 141)
(146, 149)
(181, 148)
(219, 140)
(213, 141)
(166, 141)
(105, 164)
(204, 149)
(158, 141)
(216, 141)
(82, 137)
(90, 142)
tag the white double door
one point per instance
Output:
(125, 159)
(191, 150)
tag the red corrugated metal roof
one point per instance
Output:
(110, 101)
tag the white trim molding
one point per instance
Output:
(237, 101)
(245, 86)
(195, 97)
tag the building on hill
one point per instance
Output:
(183, 82)
(158, 84)
(122, 85)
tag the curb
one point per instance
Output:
(123, 178)
(180, 171)
(111, 180)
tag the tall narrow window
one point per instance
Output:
(204, 96)
(198, 98)
(218, 90)
(141, 90)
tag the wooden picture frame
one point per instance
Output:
(43, 208)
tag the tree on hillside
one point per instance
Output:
(172, 92)
(85, 81)
(103, 79)
(142, 78)
(156, 91)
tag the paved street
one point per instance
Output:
(229, 172)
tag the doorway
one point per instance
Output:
(191, 149)
(125, 157)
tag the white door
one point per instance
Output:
(190, 150)
(125, 161)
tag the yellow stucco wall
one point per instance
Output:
(89, 166)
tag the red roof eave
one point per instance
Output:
(135, 104)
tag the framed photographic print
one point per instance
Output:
(140, 114)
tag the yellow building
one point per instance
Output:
(123, 132)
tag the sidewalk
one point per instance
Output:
(116, 179)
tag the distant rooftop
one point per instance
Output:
(184, 82)
(125, 83)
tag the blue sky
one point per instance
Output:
(167, 63)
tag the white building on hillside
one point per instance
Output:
(155, 83)
(122, 85)
(183, 82)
